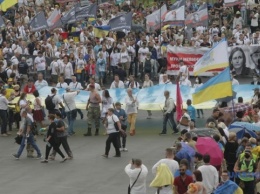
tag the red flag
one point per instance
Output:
(178, 102)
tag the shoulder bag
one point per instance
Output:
(130, 187)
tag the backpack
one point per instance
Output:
(147, 65)
(4, 76)
(49, 103)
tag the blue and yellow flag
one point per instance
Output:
(7, 4)
(219, 86)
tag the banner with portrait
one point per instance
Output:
(154, 20)
(175, 17)
(241, 59)
(231, 3)
(198, 18)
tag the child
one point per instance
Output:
(90, 69)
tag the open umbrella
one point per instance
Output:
(207, 145)
(238, 107)
(203, 132)
(243, 127)
(188, 149)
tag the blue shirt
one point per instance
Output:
(96, 49)
(119, 113)
(192, 112)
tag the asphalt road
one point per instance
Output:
(88, 172)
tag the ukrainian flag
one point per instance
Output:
(100, 30)
(7, 4)
(219, 86)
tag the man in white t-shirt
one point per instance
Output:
(61, 83)
(70, 108)
(210, 177)
(40, 64)
(169, 161)
(40, 83)
(183, 71)
(54, 67)
(56, 100)
(74, 85)
(142, 52)
(117, 83)
(92, 81)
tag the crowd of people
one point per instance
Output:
(89, 62)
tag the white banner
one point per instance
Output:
(175, 15)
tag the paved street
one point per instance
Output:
(88, 172)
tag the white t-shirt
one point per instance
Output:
(254, 21)
(41, 84)
(68, 71)
(56, 100)
(40, 63)
(69, 102)
(54, 67)
(119, 85)
(172, 164)
(123, 57)
(209, 176)
(97, 86)
(75, 85)
(62, 85)
(110, 124)
(142, 53)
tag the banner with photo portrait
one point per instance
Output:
(231, 3)
(198, 18)
(175, 17)
(154, 21)
(242, 59)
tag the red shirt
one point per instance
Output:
(28, 90)
(182, 185)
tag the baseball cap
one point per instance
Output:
(118, 104)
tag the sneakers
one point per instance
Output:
(121, 149)
(105, 156)
(39, 157)
(63, 160)
(125, 150)
(4, 135)
(149, 117)
(44, 161)
(175, 132)
(15, 156)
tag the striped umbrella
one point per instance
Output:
(238, 107)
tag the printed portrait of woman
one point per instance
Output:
(255, 56)
(237, 60)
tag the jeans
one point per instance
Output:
(244, 16)
(30, 140)
(113, 138)
(3, 115)
(199, 111)
(169, 117)
(70, 122)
